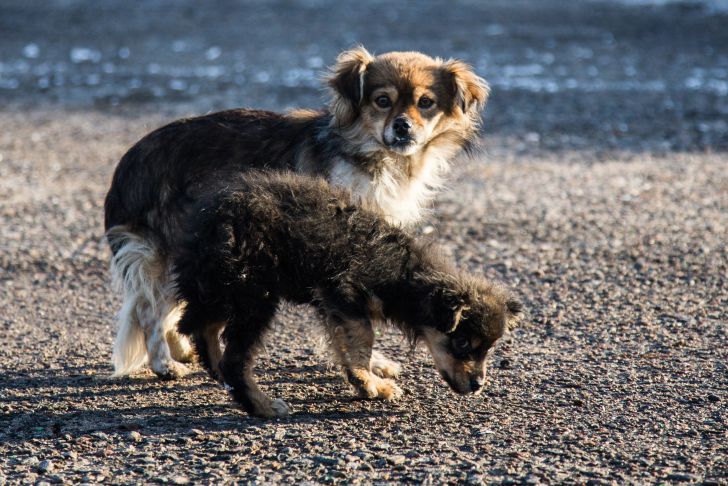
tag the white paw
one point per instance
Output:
(280, 408)
(170, 370)
(383, 366)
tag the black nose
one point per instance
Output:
(402, 127)
(477, 382)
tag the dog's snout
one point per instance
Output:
(402, 127)
(476, 383)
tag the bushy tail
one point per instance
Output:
(138, 273)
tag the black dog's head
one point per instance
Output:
(463, 317)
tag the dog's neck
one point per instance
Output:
(401, 187)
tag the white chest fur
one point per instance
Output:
(398, 192)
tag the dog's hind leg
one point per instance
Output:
(179, 346)
(151, 321)
(207, 345)
(352, 342)
(242, 338)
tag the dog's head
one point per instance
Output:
(465, 316)
(406, 100)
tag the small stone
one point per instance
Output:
(327, 461)
(45, 466)
(32, 461)
(180, 480)
(682, 477)
(397, 459)
(135, 436)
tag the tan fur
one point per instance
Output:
(213, 347)
(405, 179)
(262, 405)
(459, 372)
(352, 343)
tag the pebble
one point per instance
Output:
(397, 459)
(135, 436)
(45, 466)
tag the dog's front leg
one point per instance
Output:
(352, 342)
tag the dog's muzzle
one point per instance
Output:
(401, 134)
(474, 385)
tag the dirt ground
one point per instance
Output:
(601, 198)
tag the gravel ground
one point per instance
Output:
(601, 198)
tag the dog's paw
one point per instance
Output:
(274, 409)
(384, 367)
(379, 388)
(170, 370)
(280, 408)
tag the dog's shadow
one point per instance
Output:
(83, 401)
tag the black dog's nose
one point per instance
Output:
(402, 127)
(476, 383)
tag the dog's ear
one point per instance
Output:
(457, 316)
(346, 82)
(470, 90)
(514, 309)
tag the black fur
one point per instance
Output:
(264, 238)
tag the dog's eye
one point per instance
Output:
(383, 101)
(425, 103)
(460, 344)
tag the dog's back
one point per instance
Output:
(285, 232)
(168, 169)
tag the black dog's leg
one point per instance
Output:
(242, 338)
(352, 340)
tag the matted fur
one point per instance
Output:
(163, 176)
(265, 238)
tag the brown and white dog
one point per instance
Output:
(393, 124)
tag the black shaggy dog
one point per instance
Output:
(266, 238)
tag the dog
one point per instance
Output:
(393, 124)
(264, 238)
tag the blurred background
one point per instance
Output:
(636, 74)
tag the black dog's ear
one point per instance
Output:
(514, 308)
(457, 316)
(346, 83)
(470, 90)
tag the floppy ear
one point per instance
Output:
(456, 318)
(470, 90)
(346, 82)
(514, 309)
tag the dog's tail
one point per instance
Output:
(137, 272)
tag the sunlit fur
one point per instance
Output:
(261, 239)
(402, 180)
(160, 179)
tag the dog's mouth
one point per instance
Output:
(404, 145)
(453, 384)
